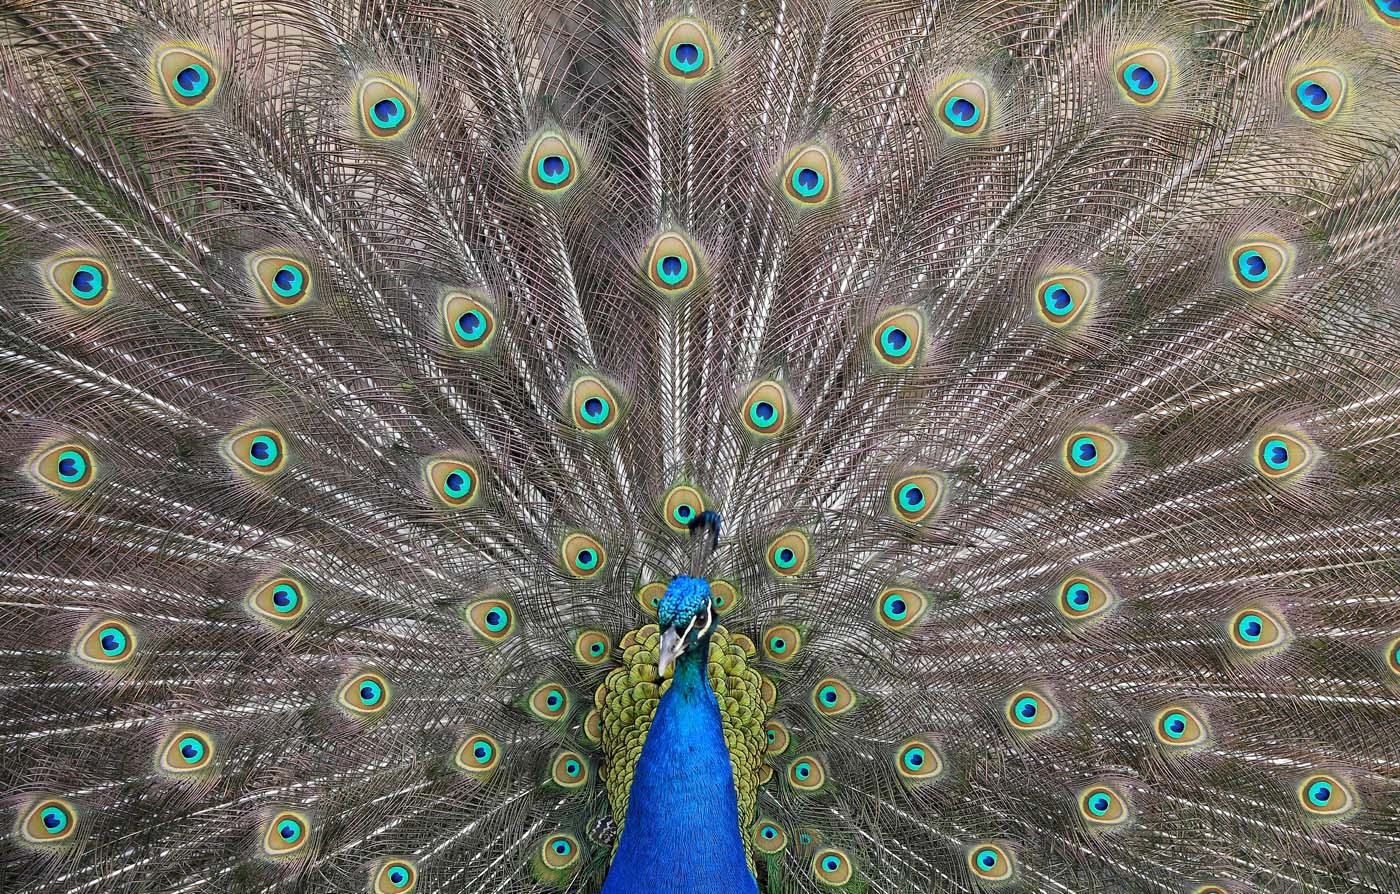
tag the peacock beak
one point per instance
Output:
(672, 645)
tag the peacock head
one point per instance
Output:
(686, 618)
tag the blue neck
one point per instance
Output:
(682, 831)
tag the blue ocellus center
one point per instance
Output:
(554, 700)
(895, 341)
(1251, 627)
(1139, 79)
(1026, 709)
(987, 859)
(1176, 726)
(1276, 454)
(829, 695)
(672, 268)
(554, 168)
(1319, 793)
(471, 325)
(764, 413)
(398, 876)
(53, 819)
(495, 619)
(458, 483)
(113, 641)
(686, 57)
(807, 181)
(895, 607)
(769, 832)
(831, 863)
(86, 281)
(1058, 300)
(803, 771)
(283, 597)
(914, 759)
(289, 830)
(1079, 595)
(482, 752)
(1314, 96)
(191, 80)
(263, 450)
(1085, 452)
(962, 112)
(595, 410)
(595, 649)
(387, 112)
(287, 280)
(71, 466)
(562, 848)
(778, 644)
(1252, 266)
(1098, 804)
(190, 750)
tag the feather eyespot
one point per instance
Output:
(787, 555)
(51, 821)
(686, 50)
(765, 409)
(1317, 94)
(187, 77)
(1062, 298)
(806, 774)
(453, 482)
(1179, 727)
(493, 620)
(593, 406)
(1326, 796)
(593, 727)
(724, 597)
(386, 108)
(682, 505)
(592, 647)
(781, 643)
(899, 608)
(568, 770)
(468, 321)
(1091, 452)
(776, 737)
(914, 497)
(649, 597)
(259, 451)
(1259, 263)
(82, 281)
(280, 601)
(990, 862)
(1031, 711)
(1081, 598)
(963, 108)
(282, 282)
(1279, 455)
(365, 695)
(769, 837)
(551, 165)
(918, 761)
(66, 468)
(186, 751)
(558, 855)
(808, 177)
(549, 702)
(895, 338)
(672, 264)
(1392, 657)
(1103, 805)
(108, 643)
(1142, 77)
(478, 755)
(396, 876)
(582, 555)
(832, 867)
(285, 834)
(1257, 629)
(832, 697)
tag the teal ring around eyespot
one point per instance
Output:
(1093, 800)
(831, 863)
(91, 291)
(1074, 453)
(1131, 83)
(1301, 92)
(1070, 595)
(563, 848)
(462, 490)
(553, 179)
(1050, 303)
(586, 559)
(483, 752)
(892, 349)
(948, 111)
(893, 613)
(200, 85)
(193, 744)
(376, 692)
(778, 645)
(298, 280)
(1319, 793)
(912, 505)
(1269, 448)
(687, 67)
(54, 812)
(289, 830)
(79, 466)
(1170, 720)
(1242, 264)
(914, 760)
(1243, 625)
(271, 447)
(803, 770)
(1390, 10)
(782, 563)
(1027, 702)
(116, 634)
(759, 421)
(503, 619)
(290, 593)
(987, 858)
(393, 119)
(599, 417)
(803, 190)
(672, 279)
(478, 331)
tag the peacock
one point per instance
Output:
(700, 446)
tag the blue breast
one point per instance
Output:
(682, 831)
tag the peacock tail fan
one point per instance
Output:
(980, 420)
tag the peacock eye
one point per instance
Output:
(1326, 796)
(593, 405)
(592, 647)
(187, 76)
(1063, 298)
(769, 837)
(1179, 727)
(66, 468)
(781, 643)
(1257, 630)
(898, 609)
(832, 697)
(259, 451)
(778, 737)
(282, 282)
(549, 702)
(1081, 598)
(681, 506)
(686, 50)
(1031, 711)
(186, 751)
(990, 862)
(395, 877)
(582, 555)
(724, 596)
(1259, 263)
(492, 620)
(1142, 77)
(365, 695)
(108, 643)
(649, 597)
(81, 281)
(1388, 10)
(787, 555)
(806, 774)
(286, 834)
(807, 180)
(551, 165)
(1090, 452)
(914, 498)
(895, 338)
(478, 755)
(559, 856)
(918, 761)
(832, 867)
(468, 320)
(962, 107)
(1317, 93)
(453, 482)
(1279, 456)
(568, 770)
(386, 111)
(51, 821)
(1103, 805)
